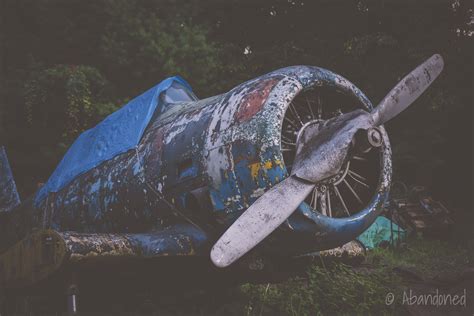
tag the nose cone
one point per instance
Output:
(309, 229)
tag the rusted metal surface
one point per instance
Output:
(198, 167)
(318, 159)
(320, 156)
(97, 246)
(194, 145)
(352, 250)
(45, 252)
(180, 240)
(228, 147)
(254, 100)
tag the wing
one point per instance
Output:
(45, 253)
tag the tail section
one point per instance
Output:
(9, 197)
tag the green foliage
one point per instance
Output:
(215, 45)
(428, 257)
(361, 46)
(62, 101)
(338, 290)
(344, 290)
(141, 47)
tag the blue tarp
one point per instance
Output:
(116, 134)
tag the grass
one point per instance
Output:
(338, 290)
(344, 290)
(324, 289)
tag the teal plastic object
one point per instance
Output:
(381, 230)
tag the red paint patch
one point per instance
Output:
(154, 148)
(252, 103)
(160, 135)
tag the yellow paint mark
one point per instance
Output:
(268, 165)
(279, 162)
(254, 168)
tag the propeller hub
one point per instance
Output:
(374, 136)
(365, 140)
(322, 147)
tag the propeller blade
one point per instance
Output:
(408, 90)
(259, 220)
(318, 157)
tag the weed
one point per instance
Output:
(344, 290)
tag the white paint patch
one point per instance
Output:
(257, 193)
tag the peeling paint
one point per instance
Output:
(228, 146)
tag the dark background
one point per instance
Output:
(67, 64)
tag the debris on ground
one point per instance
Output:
(419, 212)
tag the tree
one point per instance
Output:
(63, 101)
(127, 46)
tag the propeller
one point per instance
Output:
(320, 154)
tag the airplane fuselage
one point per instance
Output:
(203, 162)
